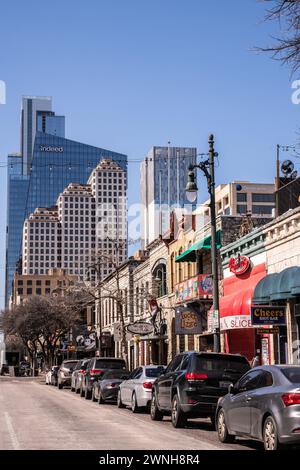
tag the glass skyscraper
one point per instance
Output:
(36, 181)
(163, 180)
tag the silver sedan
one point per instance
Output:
(136, 392)
(263, 405)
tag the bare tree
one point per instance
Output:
(94, 286)
(286, 47)
(41, 322)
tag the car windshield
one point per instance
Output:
(69, 365)
(154, 372)
(116, 374)
(81, 365)
(111, 364)
(218, 363)
(292, 374)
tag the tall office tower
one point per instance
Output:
(109, 186)
(76, 210)
(31, 106)
(163, 180)
(17, 189)
(86, 233)
(41, 241)
(36, 179)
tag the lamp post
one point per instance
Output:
(208, 168)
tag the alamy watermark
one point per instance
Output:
(2, 92)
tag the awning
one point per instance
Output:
(204, 244)
(235, 306)
(278, 286)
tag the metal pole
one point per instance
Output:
(169, 163)
(277, 178)
(160, 201)
(178, 169)
(214, 251)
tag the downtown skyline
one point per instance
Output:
(232, 92)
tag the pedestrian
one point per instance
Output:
(256, 359)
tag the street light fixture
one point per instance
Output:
(191, 188)
(208, 168)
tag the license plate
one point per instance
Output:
(224, 384)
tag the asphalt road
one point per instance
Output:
(38, 416)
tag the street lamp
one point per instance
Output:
(191, 188)
(208, 168)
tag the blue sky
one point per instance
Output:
(129, 74)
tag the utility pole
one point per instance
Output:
(214, 251)
(208, 168)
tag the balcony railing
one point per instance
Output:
(197, 287)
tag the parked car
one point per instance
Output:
(25, 369)
(51, 375)
(263, 405)
(192, 385)
(95, 369)
(137, 390)
(107, 386)
(78, 374)
(65, 372)
(54, 375)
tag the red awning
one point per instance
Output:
(235, 306)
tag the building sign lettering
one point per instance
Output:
(268, 315)
(50, 148)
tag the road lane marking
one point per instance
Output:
(11, 431)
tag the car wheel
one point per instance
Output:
(222, 429)
(72, 389)
(119, 401)
(155, 413)
(60, 386)
(93, 395)
(178, 417)
(213, 422)
(87, 394)
(81, 392)
(270, 434)
(77, 390)
(134, 406)
(101, 400)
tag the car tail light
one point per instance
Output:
(297, 431)
(81, 371)
(147, 385)
(96, 371)
(195, 376)
(291, 399)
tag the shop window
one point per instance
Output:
(160, 278)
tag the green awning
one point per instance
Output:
(278, 286)
(204, 244)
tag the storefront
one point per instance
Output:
(239, 337)
(193, 299)
(282, 291)
(244, 266)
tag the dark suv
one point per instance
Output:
(192, 385)
(95, 369)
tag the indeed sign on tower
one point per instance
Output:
(49, 148)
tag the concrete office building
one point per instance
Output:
(87, 227)
(242, 197)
